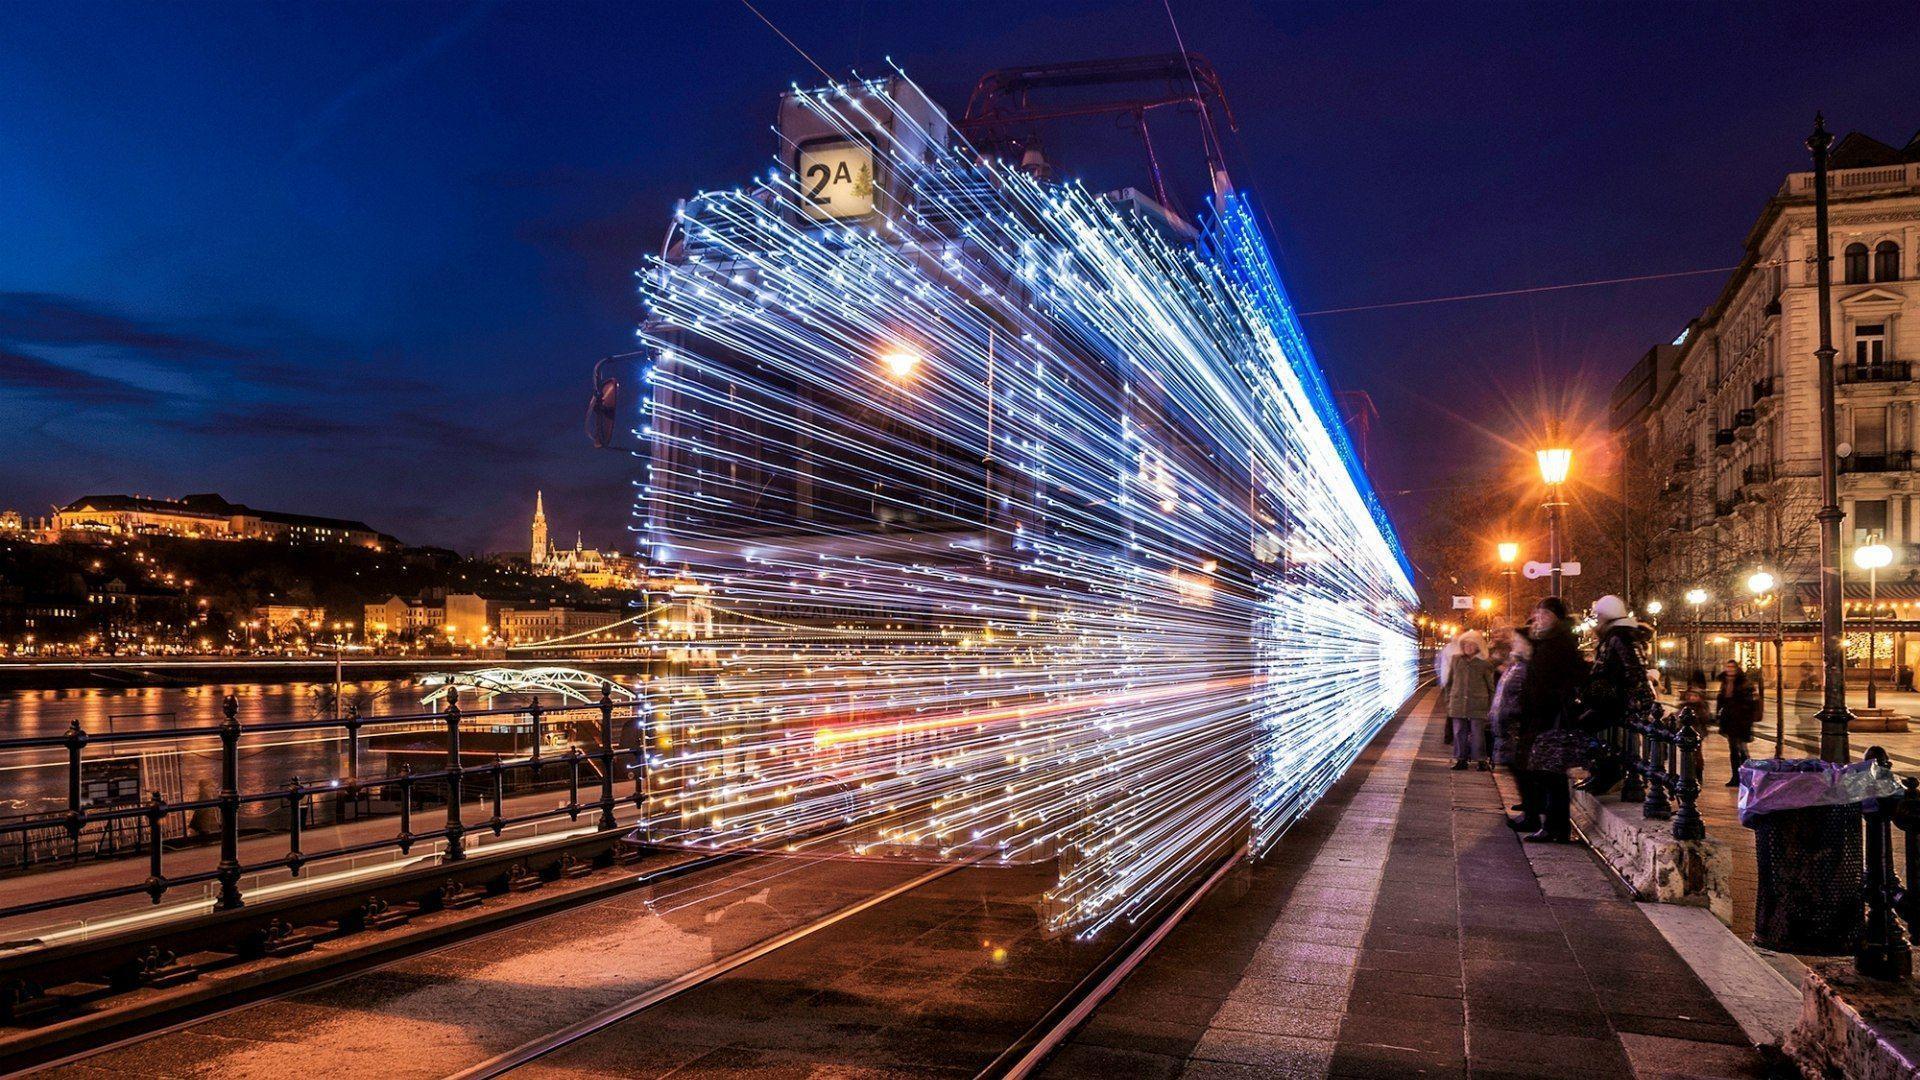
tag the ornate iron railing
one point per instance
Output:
(1662, 755)
(456, 782)
(1884, 950)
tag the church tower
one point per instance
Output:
(540, 547)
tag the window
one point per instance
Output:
(1869, 519)
(1870, 344)
(1886, 261)
(1870, 431)
(1856, 264)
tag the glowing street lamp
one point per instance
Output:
(1873, 558)
(1762, 584)
(1509, 553)
(1555, 462)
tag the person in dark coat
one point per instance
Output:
(1735, 709)
(1554, 673)
(1617, 687)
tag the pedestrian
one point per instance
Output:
(1694, 712)
(1554, 673)
(1734, 710)
(1504, 714)
(1617, 690)
(1470, 682)
(1443, 668)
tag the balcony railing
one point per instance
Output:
(1878, 176)
(1745, 418)
(1890, 461)
(1762, 389)
(1885, 372)
(1723, 507)
(1723, 437)
(1757, 474)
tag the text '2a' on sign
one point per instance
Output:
(836, 179)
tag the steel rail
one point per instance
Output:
(664, 874)
(532, 1051)
(1033, 1048)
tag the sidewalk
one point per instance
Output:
(1401, 930)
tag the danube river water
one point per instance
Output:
(35, 780)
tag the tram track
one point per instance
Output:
(731, 878)
(1021, 1053)
(532, 1051)
(966, 931)
(350, 969)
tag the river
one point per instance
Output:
(34, 780)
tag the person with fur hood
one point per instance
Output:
(1469, 691)
(1618, 685)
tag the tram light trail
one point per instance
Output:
(1029, 527)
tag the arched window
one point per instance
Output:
(1886, 261)
(1856, 264)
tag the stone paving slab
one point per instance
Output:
(1401, 929)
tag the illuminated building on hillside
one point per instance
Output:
(1030, 528)
(594, 569)
(210, 517)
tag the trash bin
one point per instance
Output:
(1805, 817)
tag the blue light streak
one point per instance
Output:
(1029, 526)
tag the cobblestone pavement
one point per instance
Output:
(1400, 930)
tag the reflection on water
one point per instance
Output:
(36, 780)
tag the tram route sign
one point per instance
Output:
(836, 179)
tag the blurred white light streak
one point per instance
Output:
(1086, 573)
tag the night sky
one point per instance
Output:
(360, 259)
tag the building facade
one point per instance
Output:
(210, 517)
(543, 622)
(1723, 424)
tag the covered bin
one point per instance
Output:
(1805, 817)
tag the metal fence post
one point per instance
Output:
(1632, 785)
(228, 872)
(352, 723)
(156, 819)
(1655, 805)
(76, 813)
(1883, 952)
(1906, 815)
(455, 830)
(606, 757)
(533, 717)
(1687, 824)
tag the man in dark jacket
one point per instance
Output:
(1553, 677)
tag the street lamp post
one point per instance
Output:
(1762, 584)
(1554, 462)
(1695, 597)
(1834, 717)
(1873, 558)
(1509, 552)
